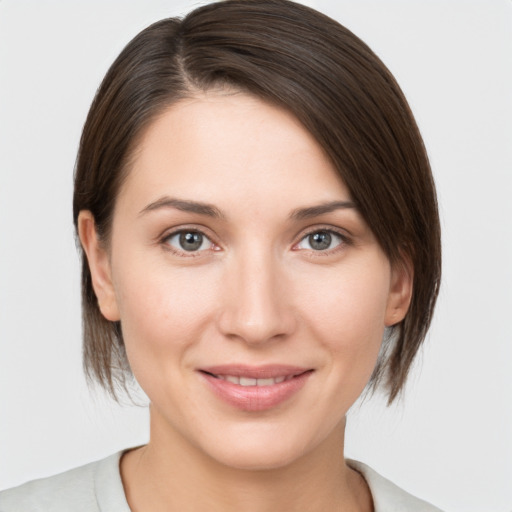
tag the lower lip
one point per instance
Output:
(256, 398)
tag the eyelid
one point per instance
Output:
(169, 233)
(345, 238)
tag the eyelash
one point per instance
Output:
(344, 241)
(182, 252)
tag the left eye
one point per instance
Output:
(189, 241)
(322, 240)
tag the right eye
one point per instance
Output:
(188, 240)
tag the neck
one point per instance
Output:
(169, 474)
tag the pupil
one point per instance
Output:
(191, 241)
(320, 240)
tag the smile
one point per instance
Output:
(248, 381)
(255, 388)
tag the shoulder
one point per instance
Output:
(90, 488)
(388, 497)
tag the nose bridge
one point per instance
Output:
(256, 306)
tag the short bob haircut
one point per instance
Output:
(294, 57)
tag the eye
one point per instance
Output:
(322, 240)
(189, 241)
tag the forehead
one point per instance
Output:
(228, 148)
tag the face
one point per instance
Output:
(252, 295)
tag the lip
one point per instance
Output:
(255, 398)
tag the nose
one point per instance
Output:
(256, 305)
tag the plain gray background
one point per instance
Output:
(450, 440)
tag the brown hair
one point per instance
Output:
(295, 57)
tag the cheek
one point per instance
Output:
(347, 312)
(163, 312)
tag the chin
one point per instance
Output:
(257, 458)
(262, 449)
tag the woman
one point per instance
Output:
(261, 243)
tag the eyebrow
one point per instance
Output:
(184, 206)
(321, 209)
(211, 211)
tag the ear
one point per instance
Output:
(99, 266)
(400, 291)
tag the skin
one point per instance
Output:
(256, 292)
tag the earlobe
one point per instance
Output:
(400, 292)
(99, 266)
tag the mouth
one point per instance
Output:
(249, 381)
(255, 388)
(244, 380)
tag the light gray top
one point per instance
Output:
(97, 487)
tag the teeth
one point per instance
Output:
(248, 381)
(265, 382)
(245, 381)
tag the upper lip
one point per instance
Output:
(255, 372)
